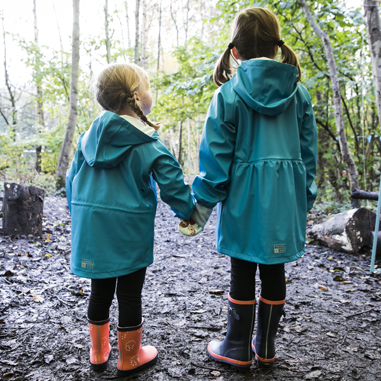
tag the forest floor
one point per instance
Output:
(331, 330)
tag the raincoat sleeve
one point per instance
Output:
(174, 191)
(72, 171)
(216, 155)
(309, 150)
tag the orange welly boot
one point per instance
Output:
(100, 346)
(132, 356)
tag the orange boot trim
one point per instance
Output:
(242, 302)
(229, 360)
(274, 303)
(260, 359)
(100, 346)
(132, 356)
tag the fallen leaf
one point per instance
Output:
(330, 334)
(48, 255)
(330, 258)
(38, 299)
(338, 278)
(218, 292)
(71, 360)
(198, 312)
(215, 373)
(313, 375)
(322, 288)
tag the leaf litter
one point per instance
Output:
(331, 330)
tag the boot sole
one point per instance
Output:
(225, 360)
(100, 367)
(139, 368)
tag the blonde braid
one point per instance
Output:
(132, 102)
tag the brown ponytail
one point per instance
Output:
(255, 34)
(223, 70)
(115, 88)
(288, 56)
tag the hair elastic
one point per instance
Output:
(280, 43)
(231, 46)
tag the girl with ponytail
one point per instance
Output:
(258, 160)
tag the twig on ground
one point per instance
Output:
(359, 313)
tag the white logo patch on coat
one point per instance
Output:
(280, 249)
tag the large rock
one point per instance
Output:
(22, 209)
(349, 231)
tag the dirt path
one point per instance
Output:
(331, 330)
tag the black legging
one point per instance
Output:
(129, 294)
(242, 283)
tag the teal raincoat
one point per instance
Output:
(258, 158)
(111, 193)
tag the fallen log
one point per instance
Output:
(359, 194)
(22, 209)
(349, 231)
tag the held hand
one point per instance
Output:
(189, 228)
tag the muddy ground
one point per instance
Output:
(331, 330)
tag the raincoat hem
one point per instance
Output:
(262, 261)
(109, 274)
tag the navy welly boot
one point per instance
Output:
(269, 314)
(235, 349)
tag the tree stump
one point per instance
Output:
(349, 231)
(22, 209)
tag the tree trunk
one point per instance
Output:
(108, 42)
(186, 22)
(173, 144)
(59, 30)
(179, 159)
(63, 162)
(190, 161)
(144, 34)
(128, 25)
(22, 209)
(159, 40)
(174, 21)
(346, 155)
(349, 231)
(11, 92)
(136, 58)
(373, 27)
(40, 113)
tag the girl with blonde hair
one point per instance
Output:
(111, 192)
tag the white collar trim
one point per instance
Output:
(145, 128)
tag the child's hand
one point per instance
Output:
(189, 228)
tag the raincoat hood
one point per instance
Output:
(109, 138)
(266, 86)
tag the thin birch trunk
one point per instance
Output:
(144, 34)
(59, 30)
(190, 161)
(159, 40)
(136, 58)
(180, 143)
(128, 25)
(40, 105)
(11, 93)
(174, 21)
(63, 162)
(186, 22)
(172, 140)
(346, 155)
(107, 40)
(373, 27)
